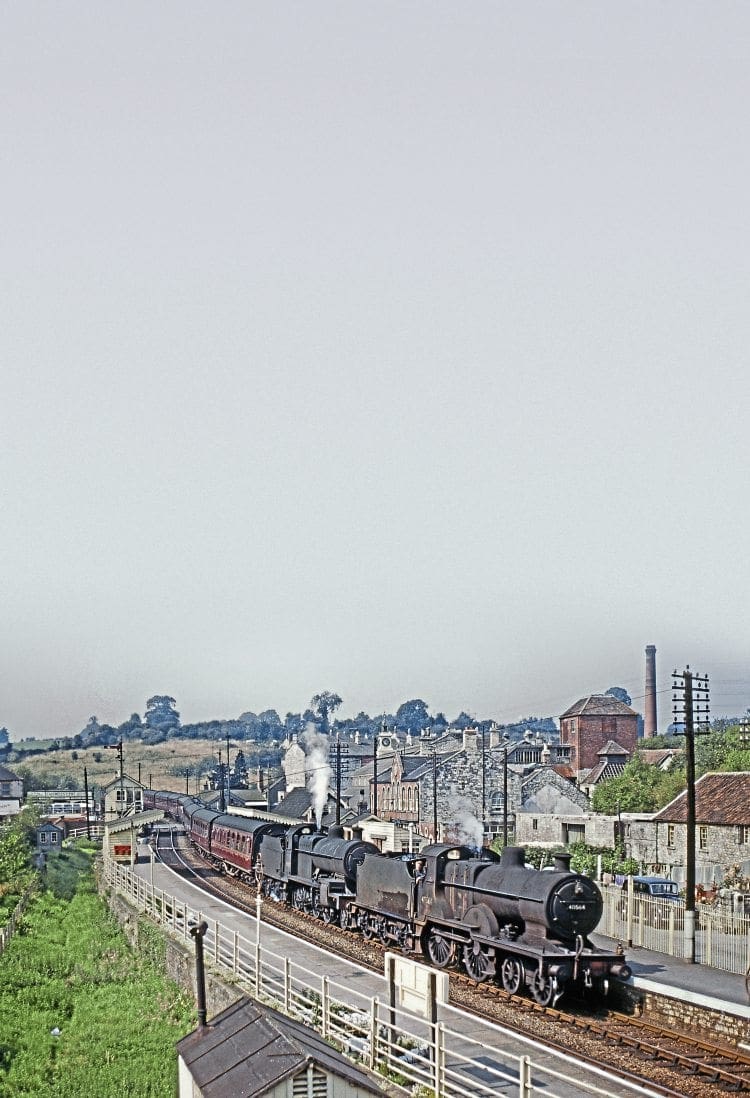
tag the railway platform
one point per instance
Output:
(697, 985)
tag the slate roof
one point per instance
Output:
(8, 775)
(247, 1050)
(614, 750)
(599, 705)
(603, 772)
(722, 799)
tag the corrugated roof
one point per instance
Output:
(599, 705)
(720, 798)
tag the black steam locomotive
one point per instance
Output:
(492, 915)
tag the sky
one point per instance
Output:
(392, 349)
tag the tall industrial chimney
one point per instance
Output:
(649, 723)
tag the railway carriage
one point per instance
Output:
(490, 914)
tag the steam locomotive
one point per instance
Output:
(491, 915)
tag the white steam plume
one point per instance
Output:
(317, 768)
(462, 823)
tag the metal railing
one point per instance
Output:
(722, 939)
(416, 1055)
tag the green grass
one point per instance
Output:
(71, 968)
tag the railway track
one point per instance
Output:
(669, 1061)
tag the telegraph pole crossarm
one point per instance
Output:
(693, 708)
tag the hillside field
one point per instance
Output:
(160, 766)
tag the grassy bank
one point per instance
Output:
(70, 969)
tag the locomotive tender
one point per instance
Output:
(490, 914)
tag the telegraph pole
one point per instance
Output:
(338, 778)
(86, 796)
(434, 797)
(505, 794)
(692, 706)
(375, 742)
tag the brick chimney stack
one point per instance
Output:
(649, 723)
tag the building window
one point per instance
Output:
(745, 833)
(670, 834)
(535, 825)
(43, 837)
(703, 838)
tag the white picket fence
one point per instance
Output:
(415, 1055)
(722, 939)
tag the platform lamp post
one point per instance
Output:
(197, 931)
(690, 702)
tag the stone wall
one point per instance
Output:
(179, 958)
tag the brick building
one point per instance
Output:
(591, 723)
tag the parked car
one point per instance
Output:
(661, 890)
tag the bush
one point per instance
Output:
(80, 1014)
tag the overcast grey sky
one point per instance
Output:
(396, 349)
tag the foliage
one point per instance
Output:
(640, 788)
(323, 705)
(161, 714)
(721, 750)
(620, 693)
(412, 716)
(118, 1018)
(585, 858)
(15, 853)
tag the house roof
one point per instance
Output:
(602, 772)
(658, 756)
(247, 1050)
(599, 705)
(7, 775)
(612, 749)
(722, 798)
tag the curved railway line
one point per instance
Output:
(667, 1061)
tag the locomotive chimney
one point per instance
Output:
(512, 856)
(649, 724)
(562, 861)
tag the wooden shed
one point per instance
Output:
(249, 1051)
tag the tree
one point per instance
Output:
(463, 720)
(130, 729)
(4, 737)
(323, 705)
(161, 714)
(621, 694)
(640, 788)
(412, 716)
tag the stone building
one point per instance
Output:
(587, 726)
(11, 792)
(722, 828)
(464, 786)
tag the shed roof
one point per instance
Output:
(720, 798)
(247, 1049)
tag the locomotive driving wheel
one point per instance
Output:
(477, 961)
(440, 950)
(511, 974)
(299, 899)
(543, 988)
